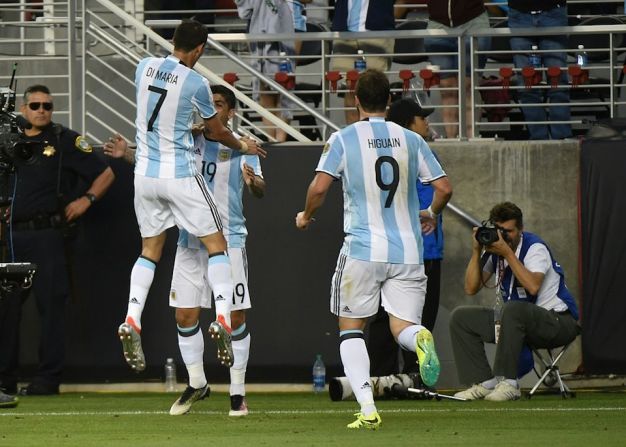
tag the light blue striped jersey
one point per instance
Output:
(357, 14)
(222, 171)
(378, 163)
(167, 94)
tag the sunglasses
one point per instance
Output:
(36, 105)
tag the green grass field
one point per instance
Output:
(141, 419)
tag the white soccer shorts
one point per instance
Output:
(190, 287)
(358, 286)
(185, 202)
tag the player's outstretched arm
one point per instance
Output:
(220, 133)
(441, 196)
(315, 197)
(117, 147)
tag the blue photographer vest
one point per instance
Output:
(563, 293)
(526, 361)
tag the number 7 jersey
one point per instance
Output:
(379, 164)
(167, 94)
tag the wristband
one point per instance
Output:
(431, 213)
(244, 147)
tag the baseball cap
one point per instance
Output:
(404, 110)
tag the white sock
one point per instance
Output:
(406, 338)
(490, 384)
(191, 345)
(140, 281)
(356, 365)
(221, 282)
(241, 351)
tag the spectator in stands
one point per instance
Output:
(455, 15)
(299, 19)
(357, 17)
(269, 17)
(538, 14)
(412, 8)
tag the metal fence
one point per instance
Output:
(89, 53)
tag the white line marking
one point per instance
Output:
(9, 413)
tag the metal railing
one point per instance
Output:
(96, 67)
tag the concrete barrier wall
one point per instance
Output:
(290, 271)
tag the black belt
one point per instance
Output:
(43, 222)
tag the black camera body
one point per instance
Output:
(487, 234)
(14, 148)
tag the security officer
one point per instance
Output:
(50, 195)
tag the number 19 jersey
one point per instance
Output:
(379, 163)
(167, 94)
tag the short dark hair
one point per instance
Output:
(227, 93)
(189, 34)
(34, 89)
(403, 112)
(506, 211)
(372, 89)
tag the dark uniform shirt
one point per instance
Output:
(36, 191)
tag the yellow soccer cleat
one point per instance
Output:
(427, 357)
(372, 423)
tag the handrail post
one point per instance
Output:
(462, 87)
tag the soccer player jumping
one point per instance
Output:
(169, 190)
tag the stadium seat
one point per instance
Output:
(403, 48)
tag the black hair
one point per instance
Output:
(189, 34)
(34, 89)
(372, 89)
(227, 93)
(507, 211)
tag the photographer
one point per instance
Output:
(50, 194)
(538, 309)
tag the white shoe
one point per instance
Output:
(238, 406)
(190, 395)
(504, 391)
(477, 391)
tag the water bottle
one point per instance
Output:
(170, 376)
(534, 59)
(497, 313)
(285, 63)
(359, 64)
(319, 375)
(581, 57)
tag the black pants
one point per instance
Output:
(381, 345)
(46, 249)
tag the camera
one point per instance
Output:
(487, 233)
(14, 149)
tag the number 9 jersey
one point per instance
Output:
(379, 163)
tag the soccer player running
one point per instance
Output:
(225, 172)
(379, 163)
(169, 190)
